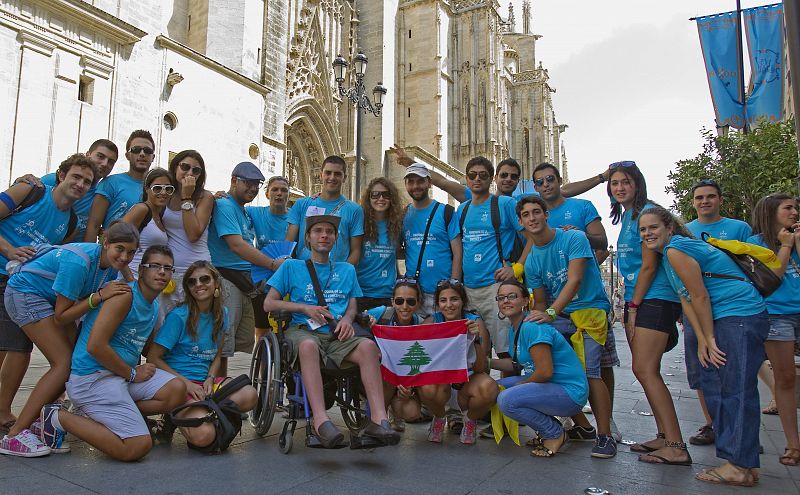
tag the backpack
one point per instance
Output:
(43, 249)
(752, 259)
(36, 193)
(222, 412)
(516, 251)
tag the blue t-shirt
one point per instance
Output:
(629, 261)
(122, 192)
(75, 278)
(785, 300)
(725, 229)
(377, 268)
(377, 312)
(229, 218)
(567, 368)
(547, 267)
(338, 286)
(191, 358)
(729, 297)
(82, 207)
(576, 212)
(268, 226)
(128, 339)
(350, 225)
(438, 256)
(478, 239)
(40, 223)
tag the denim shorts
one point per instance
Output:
(784, 328)
(25, 308)
(592, 350)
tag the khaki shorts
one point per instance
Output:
(482, 300)
(240, 333)
(329, 348)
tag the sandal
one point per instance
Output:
(790, 457)
(644, 449)
(7, 426)
(712, 476)
(539, 449)
(771, 409)
(657, 459)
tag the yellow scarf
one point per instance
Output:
(502, 423)
(595, 323)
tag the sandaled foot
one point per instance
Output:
(790, 457)
(670, 455)
(649, 446)
(548, 447)
(6, 425)
(737, 477)
(771, 409)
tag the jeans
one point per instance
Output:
(731, 391)
(535, 404)
(693, 366)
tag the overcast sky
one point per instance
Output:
(630, 83)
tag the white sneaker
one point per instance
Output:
(587, 409)
(23, 444)
(615, 434)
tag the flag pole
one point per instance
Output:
(740, 53)
(791, 12)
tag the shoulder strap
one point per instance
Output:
(43, 249)
(312, 272)
(72, 225)
(425, 240)
(463, 217)
(34, 195)
(147, 217)
(337, 208)
(448, 215)
(495, 208)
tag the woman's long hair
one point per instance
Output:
(639, 198)
(669, 220)
(217, 313)
(200, 183)
(764, 218)
(394, 216)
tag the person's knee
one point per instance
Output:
(173, 393)
(488, 390)
(246, 398)
(308, 348)
(134, 448)
(368, 350)
(202, 435)
(785, 378)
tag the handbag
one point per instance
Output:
(745, 256)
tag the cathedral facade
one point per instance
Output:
(253, 80)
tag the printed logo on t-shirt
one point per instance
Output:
(477, 258)
(429, 263)
(484, 216)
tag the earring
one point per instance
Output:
(501, 316)
(216, 293)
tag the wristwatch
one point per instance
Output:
(187, 205)
(551, 313)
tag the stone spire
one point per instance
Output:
(512, 22)
(526, 16)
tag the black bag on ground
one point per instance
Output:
(223, 413)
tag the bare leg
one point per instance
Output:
(781, 355)
(767, 376)
(199, 436)
(435, 397)
(100, 437)
(367, 357)
(702, 399)
(607, 374)
(13, 370)
(168, 397)
(478, 395)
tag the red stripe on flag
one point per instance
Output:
(429, 331)
(426, 378)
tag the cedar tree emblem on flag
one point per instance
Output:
(423, 354)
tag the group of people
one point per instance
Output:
(165, 271)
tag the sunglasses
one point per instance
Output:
(139, 149)
(411, 301)
(448, 282)
(202, 279)
(158, 267)
(380, 194)
(505, 175)
(549, 178)
(194, 170)
(405, 280)
(250, 182)
(159, 189)
(484, 175)
(508, 297)
(624, 164)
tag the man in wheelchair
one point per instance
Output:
(323, 330)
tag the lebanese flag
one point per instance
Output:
(419, 355)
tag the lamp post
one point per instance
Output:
(358, 97)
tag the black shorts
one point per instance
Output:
(659, 315)
(12, 337)
(258, 311)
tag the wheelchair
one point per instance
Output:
(275, 379)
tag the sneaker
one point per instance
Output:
(615, 434)
(436, 430)
(487, 432)
(469, 432)
(36, 429)
(605, 447)
(581, 434)
(51, 435)
(398, 425)
(587, 409)
(23, 444)
(705, 436)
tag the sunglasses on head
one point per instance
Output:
(139, 149)
(624, 164)
(165, 189)
(202, 279)
(380, 194)
(411, 301)
(405, 280)
(191, 169)
(484, 175)
(706, 182)
(549, 178)
(505, 175)
(448, 282)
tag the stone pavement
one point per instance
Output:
(255, 465)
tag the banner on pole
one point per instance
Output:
(764, 33)
(419, 355)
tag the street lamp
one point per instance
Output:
(358, 97)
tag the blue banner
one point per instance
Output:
(764, 29)
(719, 43)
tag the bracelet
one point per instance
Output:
(210, 376)
(133, 374)
(89, 300)
(632, 305)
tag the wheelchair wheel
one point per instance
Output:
(265, 372)
(286, 438)
(352, 405)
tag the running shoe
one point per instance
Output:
(51, 435)
(705, 436)
(36, 429)
(605, 447)
(436, 430)
(23, 444)
(581, 434)
(469, 432)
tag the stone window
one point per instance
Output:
(253, 151)
(86, 89)
(170, 121)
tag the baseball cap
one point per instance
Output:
(247, 171)
(312, 220)
(417, 169)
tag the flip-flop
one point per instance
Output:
(664, 460)
(641, 448)
(716, 478)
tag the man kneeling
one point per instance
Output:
(312, 324)
(107, 383)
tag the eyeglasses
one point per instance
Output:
(139, 149)
(250, 182)
(194, 170)
(505, 175)
(484, 175)
(448, 282)
(202, 279)
(549, 178)
(163, 189)
(624, 163)
(411, 301)
(380, 194)
(158, 267)
(508, 297)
